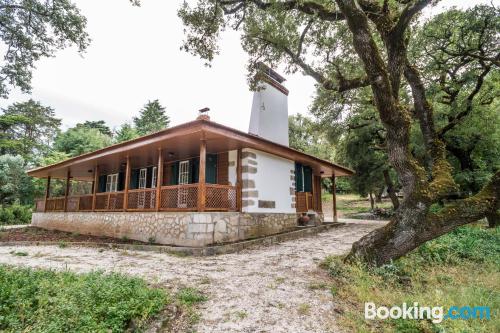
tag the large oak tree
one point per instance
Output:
(346, 45)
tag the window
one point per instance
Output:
(154, 177)
(303, 178)
(184, 172)
(112, 182)
(142, 177)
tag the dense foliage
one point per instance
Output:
(15, 185)
(34, 29)
(48, 301)
(15, 214)
(152, 118)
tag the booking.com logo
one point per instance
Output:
(436, 314)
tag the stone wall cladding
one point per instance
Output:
(170, 228)
(249, 168)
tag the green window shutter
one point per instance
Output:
(299, 181)
(194, 168)
(174, 180)
(149, 176)
(211, 169)
(102, 183)
(121, 181)
(307, 179)
(134, 179)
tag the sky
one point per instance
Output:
(135, 56)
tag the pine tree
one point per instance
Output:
(152, 118)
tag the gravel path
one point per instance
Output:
(264, 289)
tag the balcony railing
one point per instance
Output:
(171, 198)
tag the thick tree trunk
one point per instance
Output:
(493, 220)
(378, 195)
(372, 203)
(390, 189)
(392, 241)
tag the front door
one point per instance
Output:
(182, 197)
(142, 185)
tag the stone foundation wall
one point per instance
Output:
(181, 229)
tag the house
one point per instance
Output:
(194, 184)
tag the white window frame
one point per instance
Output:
(154, 177)
(112, 182)
(183, 172)
(182, 193)
(143, 177)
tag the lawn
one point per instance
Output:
(459, 269)
(350, 205)
(47, 301)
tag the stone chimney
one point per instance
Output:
(269, 118)
(203, 114)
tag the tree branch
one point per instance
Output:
(306, 7)
(407, 15)
(302, 37)
(343, 84)
(469, 104)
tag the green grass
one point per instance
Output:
(461, 268)
(353, 204)
(19, 253)
(47, 301)
(190, 296)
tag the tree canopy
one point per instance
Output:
(79, 140)
(152, 118)
(126, 132)
(34, 29)
(28, 129)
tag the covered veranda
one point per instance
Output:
(199, 141)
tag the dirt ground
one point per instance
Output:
(266, 289)
(34, 234)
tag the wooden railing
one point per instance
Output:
(39, 205)
(179, 197)
(109, 201)
(55, 204)
(142, 199)
(172, 198)
(221, 197)
(79, 203)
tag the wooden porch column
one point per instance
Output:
(47, 194)
(313, 193)
(159, 179)
(201, 176)
(239, 182)
(66, 192)
(95, 186)
(127, 183)
(334, 196)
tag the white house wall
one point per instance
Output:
(268, 183)
(269, 117)
(232, 156)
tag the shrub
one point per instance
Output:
(15, 214)
(48, 301)
(189, 296)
